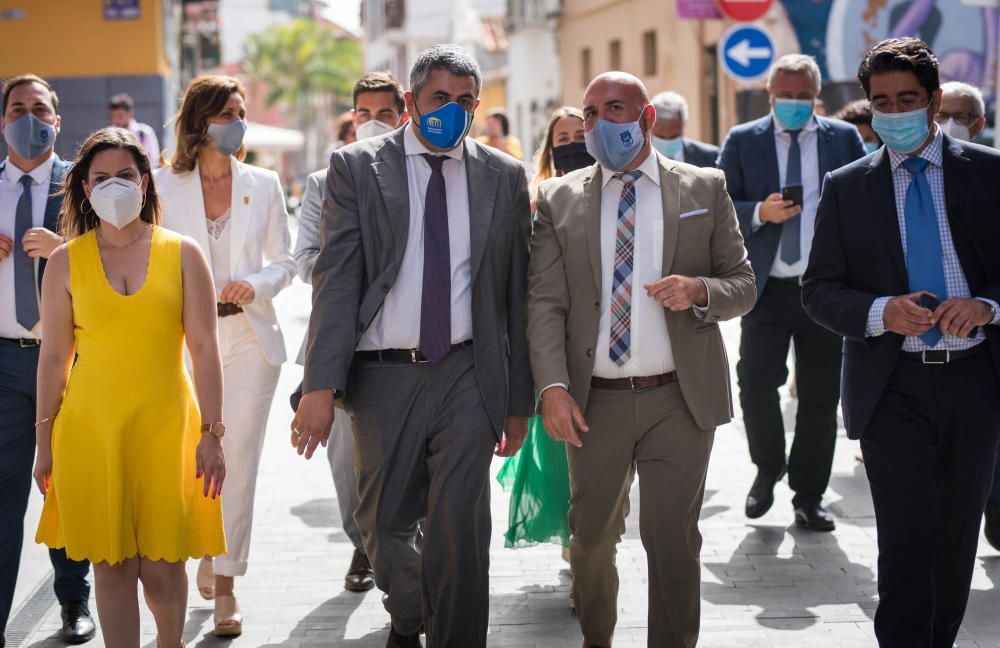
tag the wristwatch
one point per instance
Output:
(217, 429)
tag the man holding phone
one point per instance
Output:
(774, 168)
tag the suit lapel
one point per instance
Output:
(824, 142)
(242, 206)
(390, 173)
(769, 153)
(670, 190)
(54, 202)
(956, 185)
(592, 216)
(881, 196)
(484, 178)
(191, 211)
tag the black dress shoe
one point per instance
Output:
(814, 517)
(77, 625)
(397, 640)
(761, 495)
(991, 529)
(360, 577)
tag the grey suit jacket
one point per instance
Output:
(307, 241)
(365, 223)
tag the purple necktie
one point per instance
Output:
(435, 303)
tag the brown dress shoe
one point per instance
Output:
(360, 577)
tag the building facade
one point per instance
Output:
(534, 88)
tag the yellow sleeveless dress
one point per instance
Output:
(123, 444)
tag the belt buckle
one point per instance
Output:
(27, 343)
(631, 381)
(924, 360)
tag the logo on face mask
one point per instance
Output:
(434, 125)
(627, 140)
(44, 135)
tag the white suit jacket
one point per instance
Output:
(261, 244)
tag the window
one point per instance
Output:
(615, 55)
(585, 67)
(649, 53)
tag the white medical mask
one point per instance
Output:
(952, 128)
(117, 201)
(372, 128)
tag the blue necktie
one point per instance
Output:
(25, 295)
(435, 302)
(924, 260)
(791, 244)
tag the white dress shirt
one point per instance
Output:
(809, 150)
(397, 325)
(651, 352)
(10, 194)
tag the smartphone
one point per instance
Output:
(793, 193)
(928, 302)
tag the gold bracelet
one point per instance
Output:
(45, 420)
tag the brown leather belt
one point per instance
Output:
(227, 309)
(637, 384)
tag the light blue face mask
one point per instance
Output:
(668, 147)
(871, 147)
(228, 137)
(793, 114)
(447, 126)
(614, 145)
(29, 136)
(902, 132)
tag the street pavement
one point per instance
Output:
(765, 583)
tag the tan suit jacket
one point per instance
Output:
(564, 303)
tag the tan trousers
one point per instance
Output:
(651, 432)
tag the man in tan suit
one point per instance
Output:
(634, 262)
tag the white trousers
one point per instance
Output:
(249, 382)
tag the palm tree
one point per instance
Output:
(307, 68)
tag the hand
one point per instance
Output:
(43, 470)
(6, 247)
(40, 242)
(210, 461)
(775, 210)
(515, 430)
(678, 293)
(312, 422)
(902, 315)
(959, 316)
(237, 292)
(559, 415)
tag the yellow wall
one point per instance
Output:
(492, 95)
(71, 38)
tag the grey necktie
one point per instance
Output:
(25, 296)
(791, 248)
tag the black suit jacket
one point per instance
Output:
(700, 154)
(857, 256)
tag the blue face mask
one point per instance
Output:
(228, 138)
(447, 126)
(614, 145)
(793, 114)
(871, 147)
(668, 147)
(902, 132)
(29, 136)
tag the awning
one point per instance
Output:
(260, 137)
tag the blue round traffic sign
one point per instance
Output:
(746, 52)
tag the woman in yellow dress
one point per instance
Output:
(122, 440)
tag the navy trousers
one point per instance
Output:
(18, 371)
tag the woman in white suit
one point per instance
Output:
(236, 213)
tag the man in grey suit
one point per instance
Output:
(378, 107)
(419, 325)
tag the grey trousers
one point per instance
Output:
(340, 454)
(423, 443)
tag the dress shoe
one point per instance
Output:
(360, 577)
(814, 517)
(397, 640)
(77, 625)
(992, 526)
(761, 495)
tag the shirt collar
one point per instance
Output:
(810, 126)
(413, 146)
(41, 173)
(650, 168)
(934, 153)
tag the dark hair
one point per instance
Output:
(900, 55)
(380, 82)
(121, 102)
(499, 115)
(345, 124)
(205, 97)
(74, 220)
(856, 112)
(452, 58)
(22, 79)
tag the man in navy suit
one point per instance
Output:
(668, 132)
(791, 148)
(906, 267)
(29, 214)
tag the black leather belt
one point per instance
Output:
(637, 384)
(405, 356)
(24, 343)
(931, 357)
(227, 309)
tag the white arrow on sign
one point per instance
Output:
(742, 52)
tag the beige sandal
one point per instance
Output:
(206, 579)
(183, 645)
(228, 618)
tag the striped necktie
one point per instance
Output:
(620, 348)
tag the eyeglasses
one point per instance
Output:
(963, 118)
(905, 105)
